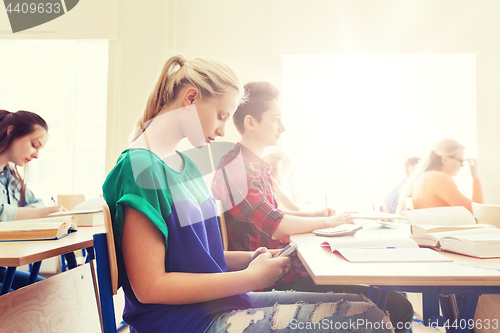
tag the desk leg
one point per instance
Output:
(7, 280)
(466, 313)
(71, 259)
(35, 268)
(430, 304)
(90, 254)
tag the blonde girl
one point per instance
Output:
(175, 275)
(432, 184)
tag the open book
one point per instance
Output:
(37, 229)
(89, 213)
(382, 250)
(479, 243)
(441, 219)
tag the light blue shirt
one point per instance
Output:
(10, 196)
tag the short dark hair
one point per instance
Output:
(258, 96)
(410, 162)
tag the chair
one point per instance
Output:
(70, 201)
(222, 224)
(63, 303)
(487, 213)
(107, 274)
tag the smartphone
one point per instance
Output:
(287, 250)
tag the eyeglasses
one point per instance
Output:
(458, 159)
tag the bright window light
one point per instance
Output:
(352, 120)
(65, 82)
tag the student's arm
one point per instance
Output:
(143, 249)
(445, 188)
(13, 212)
(477, 189)
(25, 213)
(319, 213)
(291, 225)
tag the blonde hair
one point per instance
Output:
(212, 79)
(433, 161)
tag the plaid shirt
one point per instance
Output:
(391, 200)
(243, 183)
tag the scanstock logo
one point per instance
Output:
(26, 14)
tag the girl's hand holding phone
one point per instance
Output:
(265, 270)
(286, 251)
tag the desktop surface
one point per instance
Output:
(327, 268)
(19, 253)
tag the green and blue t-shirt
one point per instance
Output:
(180, 206)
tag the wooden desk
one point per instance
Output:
(431, 279)
(15, 254)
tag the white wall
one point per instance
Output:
(252, 35)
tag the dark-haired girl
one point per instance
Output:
(22, 135)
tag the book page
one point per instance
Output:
(391, 255)
(486, 238)
(14, 226)
(479, 231)
(419, 229)
(479, 245)
(353, 242)
(440, 216)
(32, 230)
(65, 219)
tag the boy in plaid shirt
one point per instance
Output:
(243, 184)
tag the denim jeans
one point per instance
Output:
(290, 311)
(399, 308)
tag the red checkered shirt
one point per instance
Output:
(243, 183)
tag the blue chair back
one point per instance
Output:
(104, 283)
(107, 272)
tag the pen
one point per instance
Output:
(53, 201)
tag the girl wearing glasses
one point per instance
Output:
(432, 184)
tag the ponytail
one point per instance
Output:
(211, 78)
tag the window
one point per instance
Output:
(353, 120)
(65, 82)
